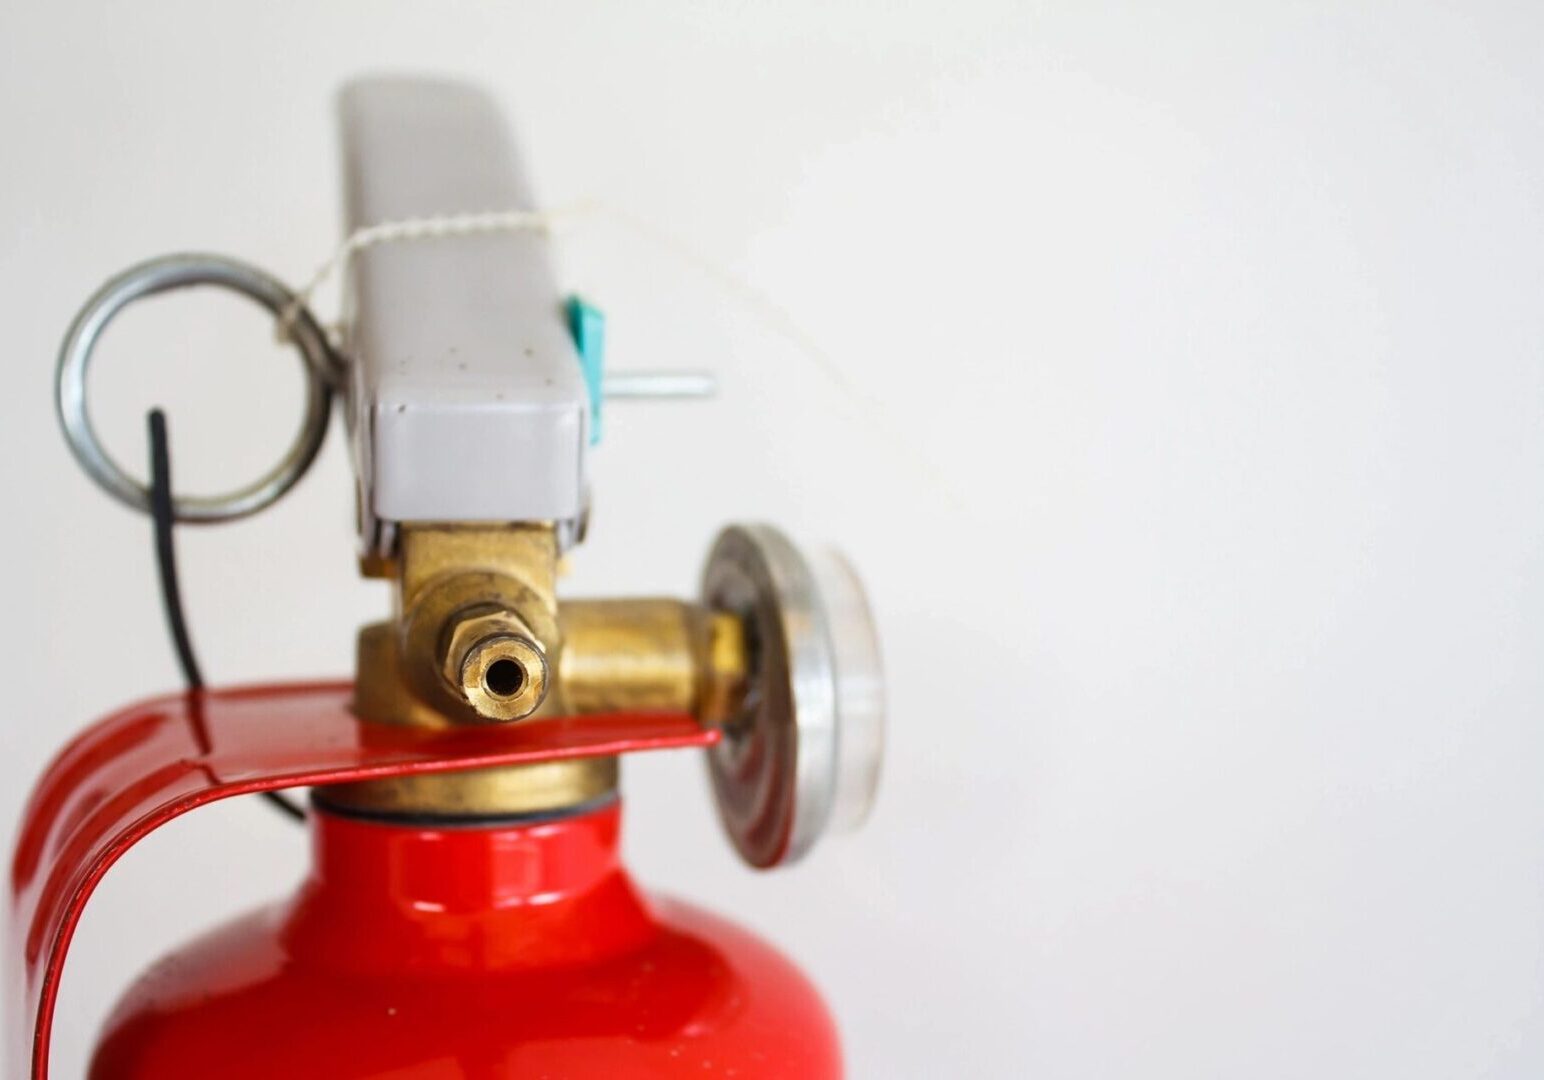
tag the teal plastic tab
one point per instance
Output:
(587, 324)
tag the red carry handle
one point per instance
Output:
(131, 773)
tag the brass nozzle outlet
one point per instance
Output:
(492, 662)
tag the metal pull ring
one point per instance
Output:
(322, 364)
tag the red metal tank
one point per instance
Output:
(473, 952)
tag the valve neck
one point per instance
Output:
(385, 895)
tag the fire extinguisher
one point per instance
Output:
(466, 914)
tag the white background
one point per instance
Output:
(1189, 432)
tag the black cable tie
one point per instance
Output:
(164, 520)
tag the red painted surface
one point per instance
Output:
(471, 953)
(131, 773)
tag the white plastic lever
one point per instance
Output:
(467, 401)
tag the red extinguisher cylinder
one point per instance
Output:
(516, 949)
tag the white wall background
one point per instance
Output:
(1194, 452)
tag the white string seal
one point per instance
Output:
(435, 227)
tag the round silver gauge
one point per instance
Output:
(804, 751)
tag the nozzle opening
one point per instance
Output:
(504, 678)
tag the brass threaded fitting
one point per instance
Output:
(492, 662)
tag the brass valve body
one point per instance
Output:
(479, 637)
(477, 618)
